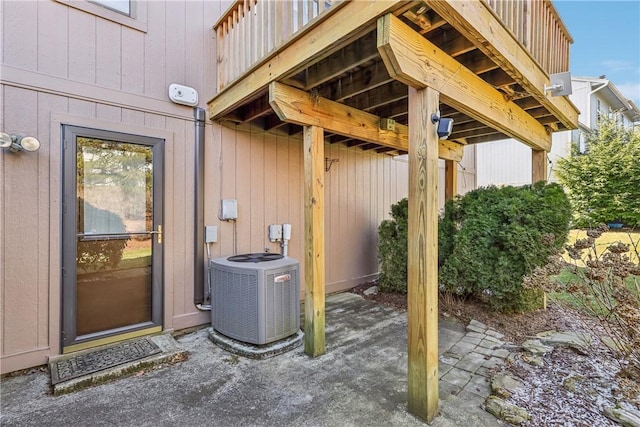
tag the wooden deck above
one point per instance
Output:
(356, 58)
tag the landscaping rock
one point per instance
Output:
(613, 345)
(503, 385)
(536, 347)
(532, 359)
(506, 411)
(371, 291)
(577, 341)
(626, 416)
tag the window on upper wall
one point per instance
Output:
(122, 6)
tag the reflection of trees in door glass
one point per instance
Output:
(100, 253)
(116, 177)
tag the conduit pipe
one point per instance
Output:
(199, 297)
(286, 236)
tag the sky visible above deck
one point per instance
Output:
(606, 38)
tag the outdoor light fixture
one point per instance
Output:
(17, 143)
(445, 126)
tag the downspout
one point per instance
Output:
(199, 296)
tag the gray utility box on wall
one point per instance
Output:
(255, 298)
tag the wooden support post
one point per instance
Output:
(423, 254)
(539, 173)
(450, 179)
(538, 166)
(314, 241)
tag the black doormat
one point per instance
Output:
(94, 361)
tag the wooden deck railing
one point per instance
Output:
(537, 25)
(252, 29)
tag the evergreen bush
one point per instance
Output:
(603, 183)
(392, 249)
(491, 238)
(488, 240)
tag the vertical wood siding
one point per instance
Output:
(92, 54)
(100, 73)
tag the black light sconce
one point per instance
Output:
(445, 125)
(17, 143)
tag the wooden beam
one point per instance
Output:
(538, 166)
(422, 283)
(361, 51)
(344, 22)
(314, 260)
(450, 179)
(383, 95)
(355, 83)
(474, 20)
(296, 106)
(412, 59)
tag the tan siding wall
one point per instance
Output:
(99, 73)
(81, 69)
(264, 174)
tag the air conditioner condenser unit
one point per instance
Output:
(255, 298)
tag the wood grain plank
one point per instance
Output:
(422, 295)
(451, 179)
(314, 336)
(538, 166)
(296, 106)
(323, 40)
(475, 21)
(417, 62)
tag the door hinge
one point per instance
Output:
(64, 336)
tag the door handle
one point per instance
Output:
(158, 232)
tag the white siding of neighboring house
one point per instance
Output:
(508, 162)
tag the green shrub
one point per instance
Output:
(392, 249)
(604, 183)
(492, 237)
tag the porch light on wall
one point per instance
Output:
(445, 125)
(17, 143)
(329, 162)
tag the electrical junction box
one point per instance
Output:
(210, 234)
(275, 232)
(228, 209)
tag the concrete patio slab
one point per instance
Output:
(360, 381)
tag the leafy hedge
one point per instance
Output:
(392, 249)
(488, 240)
(492, 237)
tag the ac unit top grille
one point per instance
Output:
(255, 258)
